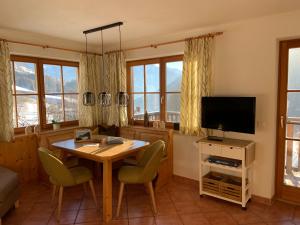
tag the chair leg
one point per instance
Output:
(53, 192)
(150, 187)
(120, 198)
(17, 204)
(0, 221)
(93, 191)
(60, 196)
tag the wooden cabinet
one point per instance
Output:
(153, 134)
(235, 149)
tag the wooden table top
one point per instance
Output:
(100, 152)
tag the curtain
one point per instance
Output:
(114, 81)
(89, 80)
(196, 82)
(6, 98)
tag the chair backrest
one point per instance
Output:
(55, 168)
(151, 159)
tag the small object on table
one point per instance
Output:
(56, 125)
(114, 140)
(146, 119)
(155, 124)
(82, 135)
(36, 129)
(28, 130)
(162, 125)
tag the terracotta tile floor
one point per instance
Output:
(178, 203)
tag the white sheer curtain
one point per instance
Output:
(6, 98)
(196, 82)
(114, 81)
(89, 80)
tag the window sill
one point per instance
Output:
(47, 131)
(50, 131)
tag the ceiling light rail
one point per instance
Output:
(117, 24)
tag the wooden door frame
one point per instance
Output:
(283, 192)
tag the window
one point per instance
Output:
(154, 86)
(44, 90)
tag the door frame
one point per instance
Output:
(283, 192)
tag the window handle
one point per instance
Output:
(281, 121)
(161, 99)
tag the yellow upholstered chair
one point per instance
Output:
(61, 176)
(144, 172)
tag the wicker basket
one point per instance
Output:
(211, 182)
(231, 187)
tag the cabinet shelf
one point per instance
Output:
(232, 149)
(231, 168)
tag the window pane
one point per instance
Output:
(173, 108)
(173, 76)
(70, 79)
(292, 162)
(137, 78)
(293, 106)
(27, 109)
(14, 113)
(152, 78)
(54, 108)
(71, 107)
(294, 69)
(52, 78)
(153, 106)
(13, 82)
(293, 130)
(138, 108)
(25, 77)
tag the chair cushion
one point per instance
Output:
(81, 174)
(8, 182)
(131, 175)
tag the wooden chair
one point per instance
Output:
(144, 172)
(61, 176)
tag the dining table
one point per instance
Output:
(105, 154)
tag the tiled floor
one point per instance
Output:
(178, 203)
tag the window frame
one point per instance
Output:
(39, 62)
(162, 61)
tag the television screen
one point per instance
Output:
(229, 113)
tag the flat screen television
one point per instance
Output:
(229, 113)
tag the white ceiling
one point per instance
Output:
(66, 19)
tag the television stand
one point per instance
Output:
(215, 138)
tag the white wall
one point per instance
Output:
(246, 61)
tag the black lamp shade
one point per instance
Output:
(88, 98)
(104, 99)
(122, 99)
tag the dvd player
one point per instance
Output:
(224, 161)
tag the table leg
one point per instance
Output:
(107, 191)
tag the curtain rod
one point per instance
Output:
(47, 46)
(171, 42)
(127, 49)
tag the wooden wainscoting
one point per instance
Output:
(153, 134)
(21, 156)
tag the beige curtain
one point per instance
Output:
(89, 80)
(6, 99)
(114, 81)
(196, 82)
